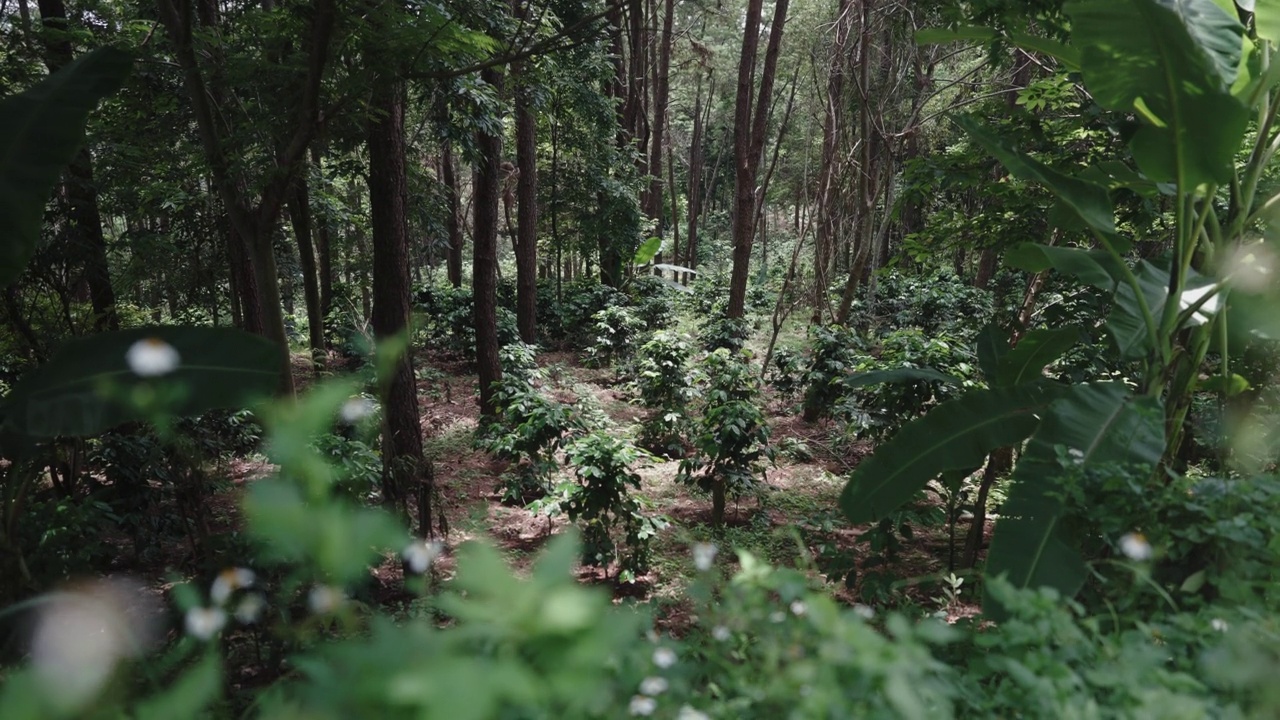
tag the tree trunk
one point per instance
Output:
(484, 258)
(696, 161)
(388, 197)
(527, 198)
(826, 235)
(324, 258)
(83, 218)
(661, 93)
(453, 218)
(300, 213)
(748, 142)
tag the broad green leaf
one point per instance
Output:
(1230, 387)
(1094, 267)
(993, 344)
(1034, 352)
(956, 434)
(1266, 20)
(88, 386)
(1126, 323)
(40, 131)
(647, 251)
(1087, 200)
(189, 695)
(1097, 424)
(1173, 62)
(876, 377)
(1114, 175)
(961, 33)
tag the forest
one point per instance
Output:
(692, 359)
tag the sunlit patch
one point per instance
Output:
(642, 705)
(664, 657)
(704, 555)
(82, 634)
(420, 554)
(228, 581)
(1251, 267)
(324, 599)
(356, 409)
(653, 685)
(152, 357)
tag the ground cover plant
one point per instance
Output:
(925, 371)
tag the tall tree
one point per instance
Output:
(526, 195)
(84, 221)
(484, 254)
(749, 126)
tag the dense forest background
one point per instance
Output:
(877, 358)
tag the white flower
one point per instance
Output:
(688, 713)
(721, 633)
(250, 608)
(324, 599)
(151, 357)
(641, 705)
(204, 623)
(1076, 455)
(420, 554)
(863, 611)
(228, 581)
(777, 616)
(664, 657)
(1135, 546)
(704, 554)
(653, 686)
(798, 608)
(1219, 624)
(356, 409)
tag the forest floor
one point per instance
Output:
(794, 522)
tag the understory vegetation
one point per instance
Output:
(931, 374)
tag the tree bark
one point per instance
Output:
(527, 199)
(402, 455)
(484, 258)
(749, 124)
(453, 219)
(300, 214)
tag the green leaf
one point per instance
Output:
(647, 251)
(1126, 324)
(1065, 54)
(40, 131)
(956, 434)
(1094, 267)
(1266, 20)
(993, 344)
(876, 377)
(1172, 62)
(189, 695)
(88, 386)
(1034, 352)
(1100, 423)
(1086, 199)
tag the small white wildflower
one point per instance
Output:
(204, 623)
(864, 611)
(721, 633)
(653, 686)
(777, 616)
(324, 599)
(688, 713)
(704, 554)
(249, 609)
(798, 608)
(1219, 624)
(356, 409)
(420, 554)
(152, 357)
(664, 657)
(641, 705)
(1135, 546)
(228, 581)
(1076, 455)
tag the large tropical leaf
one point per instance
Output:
(1266, 19)
(956, 434)
(993, 344)
(1172, 62)
(1034, 352)
(1096, 424)
(89, 386)
(1087, 200)
(1094, 267)
(909, 374)
(40, 131)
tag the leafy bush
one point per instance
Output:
(450, 325)
(601, 504)
(357, 467)
(720, 331)
(787, 374)
(731, 439)
(881, 409)
(834, 352)
(654, 302)
(667, 390)
(936, 303)
(614, 334)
